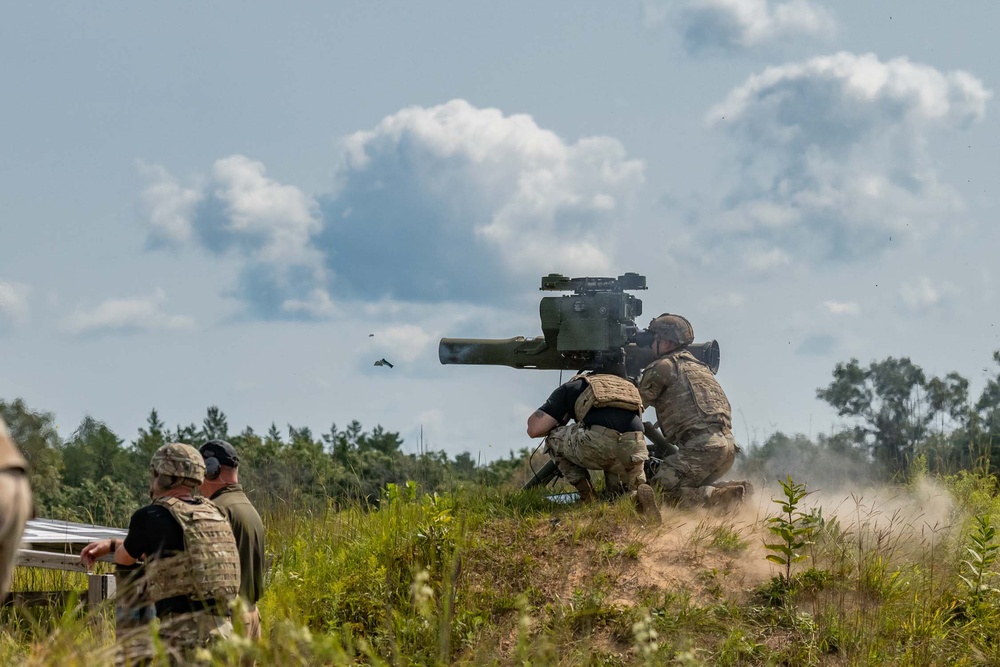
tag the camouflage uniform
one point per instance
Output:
(207, 571)
(693, 413)
(578, 448)
(15, 504)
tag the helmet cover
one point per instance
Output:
(179, 460)
(673, 327)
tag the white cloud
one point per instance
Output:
(501, 187)
(922, 295)
(834, 155)
(765, 261)
(739, 25)
(14, 307)
(277, 220)
(842, 307)
(404, 343)
(317, 305)
(167, 207)
(240, 210)
(450, 202)
(733, 26)
(127, 315)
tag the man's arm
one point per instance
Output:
(100, 548)
(653, 382)
(540, 423)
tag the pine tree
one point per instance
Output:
(215, 426)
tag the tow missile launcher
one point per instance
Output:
(594, 327)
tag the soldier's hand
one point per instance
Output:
(93, 551)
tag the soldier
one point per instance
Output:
(607, 435)
(222, 487)
(192, 567)
(693, 413)
(15, 504)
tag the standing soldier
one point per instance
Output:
(222, 487)
(15, 504)
(607, 436)
(694, 414)
(192, 567)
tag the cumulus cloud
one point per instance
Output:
(731, 26)
(167, 206)
(922, 295)
(834, 158)
(14, 307)
(127, 316)
(451, 202)
(239, 210)
(842, 307)
(405, 343)
(461, 201)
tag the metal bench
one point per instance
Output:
(56, 545)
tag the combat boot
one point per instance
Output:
(586, 490)
(729, 495)
(645, 504)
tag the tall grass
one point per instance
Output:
(484, 576)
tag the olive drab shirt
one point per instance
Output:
(606, 391)
(249, 531)
(10, 456)
(686, 396)
(209, 567)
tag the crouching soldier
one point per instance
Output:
(694, 413)
(192, 566)
(607, 435)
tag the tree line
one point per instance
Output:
(895, 415)
(94, 476)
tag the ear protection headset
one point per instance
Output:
(213, 467)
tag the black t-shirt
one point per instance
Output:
(560, 404)
(154, 532)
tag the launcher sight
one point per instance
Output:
(594, 327)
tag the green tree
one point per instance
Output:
(35, 434)
(95, 451)
(150, 439)
(893, 404)
(215, 425)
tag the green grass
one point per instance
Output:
(492, 577)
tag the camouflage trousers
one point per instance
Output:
(689, 477)
(578, 449)
(15, 510)
(179, 634)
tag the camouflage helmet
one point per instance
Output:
(672, 327)
(179, 460)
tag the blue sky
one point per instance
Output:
(217, 204)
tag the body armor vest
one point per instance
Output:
(209, 567)
(606, 391)
(692, 401)
(10, 457)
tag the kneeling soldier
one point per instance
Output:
(607, 436)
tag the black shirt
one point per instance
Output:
(560, 405)
(154, 532)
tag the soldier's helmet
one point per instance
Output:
(673, 327)
(179, 460)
